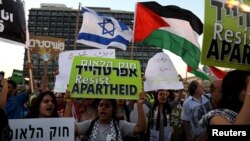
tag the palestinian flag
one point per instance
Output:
(198, 72)
(219, 74)
(171, 28)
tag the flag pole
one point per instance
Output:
(186, 74)
(30, 71)
(76, 30)
(132, 50)
(29, 64)
(132, 45)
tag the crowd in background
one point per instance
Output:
(162, 115)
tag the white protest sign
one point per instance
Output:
(161, 74)
(42, 129)
(65, 63)
(60, 83)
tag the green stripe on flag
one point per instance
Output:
(176, 44)
(200, 74)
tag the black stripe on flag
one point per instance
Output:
(176, 12)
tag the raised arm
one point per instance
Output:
(3, 93)
(68, 106)
(141, 123)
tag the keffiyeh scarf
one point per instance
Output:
(228, 114)
(111, 136)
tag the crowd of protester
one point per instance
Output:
(162, 115)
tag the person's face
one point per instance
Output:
(243, 92)
(183, 94)
(120, 102)
(162, 96)
(105, 110)
(59, 98)
(79, 101)
(216, 93)
(89, 101)
(46, 106)
(200, 89)
(11, 90)
(80, 105)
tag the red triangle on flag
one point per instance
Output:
(189, 69)
(146, 21)
(217, 72)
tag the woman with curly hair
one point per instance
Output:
(44, 106)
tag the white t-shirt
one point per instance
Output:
(134, 113)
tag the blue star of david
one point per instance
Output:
(104, 24)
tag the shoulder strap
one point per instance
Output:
(151, 118)
(91, 127)
(127, 112)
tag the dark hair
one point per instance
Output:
(192, 87)
(127, 111)
(115, 122)
(113, 103)
(95, 103)
(12, 83)
(165, 107)
(171, 95)
(2, 73)
(34, 110)
(233, 83)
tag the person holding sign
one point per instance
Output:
(159, 127)
(106, 128)
(15, 103)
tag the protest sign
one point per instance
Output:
(94, 77)
(65, 63)
(12, 22)
(161, 74)
(42, 129)
(47, 47)
(226, 35)
(17, 76)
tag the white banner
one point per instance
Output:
(161, 74)
(65, 63)
(42, 129)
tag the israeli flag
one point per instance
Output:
(103, 31)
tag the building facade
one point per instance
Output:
(57, 20)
